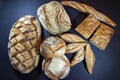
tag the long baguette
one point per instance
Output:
(89, 10)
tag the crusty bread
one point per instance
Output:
(89, 58)
(24, 41)
(53, 47)
(54, 18)
(70, 38)
(89, 10)
(88, 26)
(56, 68)
(102, 36)
(74, 47)
(78, 57)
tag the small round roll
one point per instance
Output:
(53, 47)
(56, 68)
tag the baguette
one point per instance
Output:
(89, 10)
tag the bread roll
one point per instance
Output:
(102, 36)
(89, 10)
(54, 18)
(56, 68)
(53, 47)
(70, 38)
(24, 41)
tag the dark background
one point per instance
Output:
(107, 65)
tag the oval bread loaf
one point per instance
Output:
(56, 68)
(54, 18)
(53, 47)
(24, 41)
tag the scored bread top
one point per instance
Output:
(24, 41)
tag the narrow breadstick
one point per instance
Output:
(89, 10)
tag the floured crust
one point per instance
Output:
(53, 47)
(89, 10)
(102, 36)
(54, 18)
(78, 57)
(89, 58)
(88, 26)
(73, 47)
(56, 68)
(24, 41)
(70, 38)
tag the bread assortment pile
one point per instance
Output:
(25, 44)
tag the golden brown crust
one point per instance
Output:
(88, 26)
(24, 41)
(89, 10)
(70, 38)
(78, 57)
(89, 58)
(53, 47)
(73, 47)
(56, 68)
(102, 36)
(54, 18)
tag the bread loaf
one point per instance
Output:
(102, 36)
(24, 41)
(88, 26)
(52, 47)
(89, 58)
(89, 10)
(70, 38)
(54, 18)
(56, 68)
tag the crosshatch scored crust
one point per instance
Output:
(24, 41)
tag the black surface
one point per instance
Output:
(107, 65)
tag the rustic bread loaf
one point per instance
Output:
(89, 10)
(74, 47)
(88, 26)
(102, 36)
(89, 58)
(56, 68)
(70, 38)
(24, 41)
(54, 18)
(53, 47)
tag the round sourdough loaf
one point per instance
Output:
(56, 68)
(53, 47)
(24, 41)
(54, 18)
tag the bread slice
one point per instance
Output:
(102, 36)
(89, 58)
(88, 26)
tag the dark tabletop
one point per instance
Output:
(107, 65)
